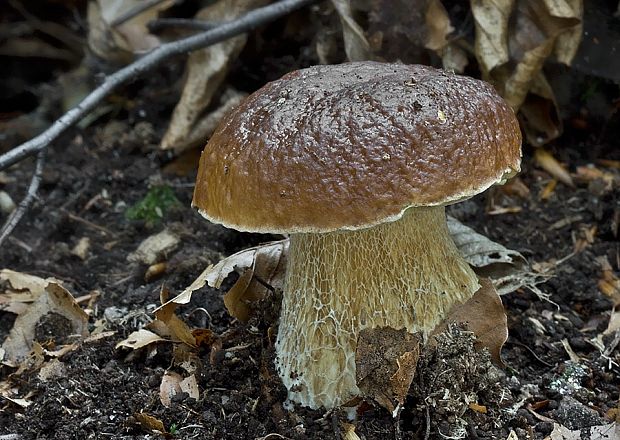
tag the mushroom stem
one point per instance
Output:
(403, 274)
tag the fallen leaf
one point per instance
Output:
(154, 248)
(52, 370)
(548, 190)
(514, 38)
(385, 362)
(206, 70)
(437, 25)
(491, 23)
(170, 386)
(183, 134)
(269, 268)
(139, 339)
(349, 432)
(150, 423)
(173, 383)
(81, 248)
(482, 409)
(179, 330)
(119, 42)
(22, 281)
(355, 43)
(539, 113)
(268, 262)
(507, 269)
(155, 271)
(189, 385)
(548, 163)
(484, 315)
(55, 304)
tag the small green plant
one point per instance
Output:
(174, 430)
(154, 206)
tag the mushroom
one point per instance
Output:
(357, 162)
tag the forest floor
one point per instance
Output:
(561, 373)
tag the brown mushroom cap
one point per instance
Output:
(354, 145)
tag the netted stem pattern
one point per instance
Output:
(403, 274)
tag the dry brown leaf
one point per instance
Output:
(120, 42)
(154, 248)
(206, 70)
(81, 248)
(178, 329)
(56, 305)
(155, 271)
(478, 408)
(515, 187)
(548, 190)
(438, 26)
(173, 383)
(355, 43)
(349, 432)
(194, 132)
(268, 268)
(52, 370)
(150, 423)
(540, 114)
(507, 269)
(25, 282)
(491, 21)
(170, 386)
(549, 163)
(483, 315)
(189, 385)
(267, 261)
(514, 38)
(139, 339)
(385, 362)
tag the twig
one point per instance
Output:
(185, 23)
(23, 206)
(243, 24)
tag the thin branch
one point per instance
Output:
(243, 24)
(183, 23)
(23, 206)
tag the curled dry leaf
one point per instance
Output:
(154, 248)
(506, 268)
(550, 164)
(484, 315)
(206, 70)
(385, 362)
(349, 432)
(268, 269)
(173, 383)
(176, 328)
(266, 262)
(150, 423)
(119, 42)
(438, 26)
(24, 282)
(55, 304)
(139, 339)
(355, 43)
(513, 40)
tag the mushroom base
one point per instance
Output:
(404, 274)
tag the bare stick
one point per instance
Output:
(23, 206)
(184, 23)
(243, 24)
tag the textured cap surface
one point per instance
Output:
(353, 145)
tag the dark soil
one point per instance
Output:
(94, 174)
